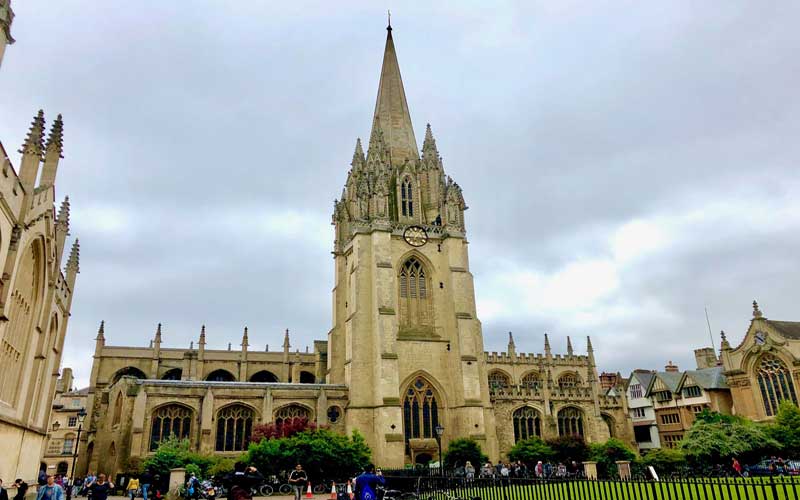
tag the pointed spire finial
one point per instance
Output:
(389, 14)
(756, 311)
(429, 149)
(34, 142)
(511, 338)
(569, 346)
(202, 341)
(546, 344)
(55, 140)
(101, 331)
(286, 344)
(245, 343)
(589, 344)
(358, 157)
(158, 334)
(74, 257)
(724, 344)
(63, 213)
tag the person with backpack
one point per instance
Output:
(367, 483)
(22, 489)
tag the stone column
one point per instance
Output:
(176, 478)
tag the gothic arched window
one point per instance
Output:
(414, 295)
(775, 383)
(291, 412)
(569, 380)
(420, 410)
(173, 374)
(498, 380)
(570, 422)
(264, 376)
(407, 198)
(234, 427)
(221, 376)
(22, 309)
(169, 421)
(532, 380)
(527, 423)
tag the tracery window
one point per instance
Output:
(569, 380)
(23, 307)
(420, 410)
(775, 383)
(168, 421)
(407, 197)
(527, 423)
(498, 380)
(234, 427)
(291, 412)
(414, 300)
(570, 422)
(532, 380)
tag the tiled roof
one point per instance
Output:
(789, 329)
(709, 378)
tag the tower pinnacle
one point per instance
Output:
(391, 108)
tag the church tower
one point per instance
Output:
(405, 339)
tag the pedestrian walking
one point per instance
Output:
(3, 492)
(133, 485)
(22, 489)
(50, 490)
(241, 480)
(737, 467)
(298, 479)
(100, 488)
(145, 480)
(469, 470)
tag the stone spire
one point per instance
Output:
(201, 344)
(724, 345)
(756, 311)
(547, 351)
(286, 346)
(32, 150)
(62, 228)
(358, 157)
(569, 346)
(512, 347)
(73, 264)
(391, 108)
(245, 342)
(157, 339)
(54, 150)
(100, 340)
(590, 350)
(429, 150)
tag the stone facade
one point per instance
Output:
(405, 351)
(764, 369)
(35, 295)
(62, 431)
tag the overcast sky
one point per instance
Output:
(626, 163)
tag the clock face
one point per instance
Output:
(415, 236)
(760, 337)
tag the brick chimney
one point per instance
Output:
(705, 358)
(671, 368)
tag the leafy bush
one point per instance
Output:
(173, 453)
(530, 451)
(717, 443)
(322, 452)
(606, 455)
(461, 450)
(786, 429)
(568, 448)
(665, 460)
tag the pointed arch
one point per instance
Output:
(407, 197)
(172, 374)
(570, 421)
(24, 308)
(527, 423)
(170, 420)
(569, 379)
(128, 371)
(531, 380)
(499, 379)
(775, 383)
(610, 423)
(292, 411)
(307, 378)
(414, 295)
(421, 409)
(264, 376)
(221, 375)
(234, 427)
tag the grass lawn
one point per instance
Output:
(701, 489)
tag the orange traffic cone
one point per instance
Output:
(308, 491)
(349, 489)
(333, 490)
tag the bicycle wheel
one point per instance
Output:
(285, 489)
(319, 488)
(265, 490)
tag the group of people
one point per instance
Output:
(519, 469)
(59, 488)
(21, 487)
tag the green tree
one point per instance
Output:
(786, 429)
(717, 443)
(664, 460)
(606, 455)
(322, 452)
(461, 450)
(568, 448)
(173, 453)
(530, 451)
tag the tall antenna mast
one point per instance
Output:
(710, 335)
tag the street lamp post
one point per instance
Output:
(81, 416)
(439, 432)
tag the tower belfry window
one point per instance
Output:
(407, 198)
(413, 297)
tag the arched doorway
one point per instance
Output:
(62, 468)
(423, 459)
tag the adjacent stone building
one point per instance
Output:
(764, 369)
(404, 354)
(642, 411)
(62, 431)
(35, 295)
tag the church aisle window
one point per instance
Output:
(498, 380)
(569, 380)
(234, 427)
(420, 410)
(407, 198)
(414, 300)
(531, 381)
(775, 383)
(527, 424)
(169, 421)
(570, 422)
(291, 412)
